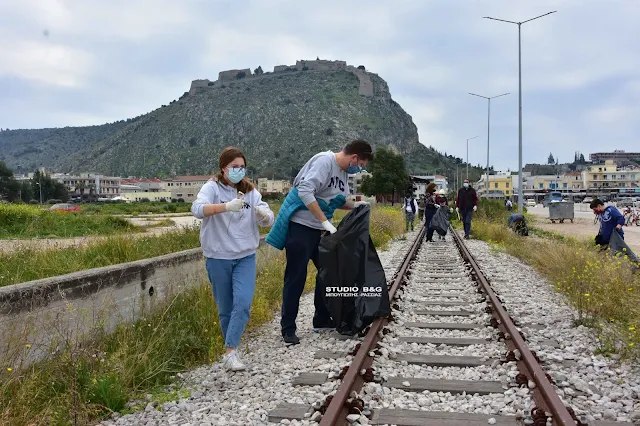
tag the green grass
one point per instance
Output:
(93, 379)
(30, 264)
(602, 288)
(25, 221)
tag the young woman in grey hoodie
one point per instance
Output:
(231, 209)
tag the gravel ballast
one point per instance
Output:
(219, 397)
(599, 387)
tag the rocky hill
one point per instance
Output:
(279, 119)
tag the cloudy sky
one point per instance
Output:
(83, 62)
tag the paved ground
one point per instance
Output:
(147, 220)
(583, 226)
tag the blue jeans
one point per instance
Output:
(466, 215)
(301, 246)
(429, 214)
(233, 283)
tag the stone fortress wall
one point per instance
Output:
(366, 85)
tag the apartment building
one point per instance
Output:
(185, 187)
(500, 185)
(355, 181)
(271, 186)
(421, 182)
(616, 156)
(609, 176)
(568, 182)
(89, 183)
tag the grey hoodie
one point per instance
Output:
(229, 235)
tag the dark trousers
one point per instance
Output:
(301, 246)
(429, 214)
(466, 215)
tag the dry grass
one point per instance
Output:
(602, 288)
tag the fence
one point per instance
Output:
(48, 312)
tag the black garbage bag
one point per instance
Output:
(617, 245)
(440, 221)
(350, 272)
(518, 224)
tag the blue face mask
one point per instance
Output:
(352, 170)
(466, 185)
(236, 174)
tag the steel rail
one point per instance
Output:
(554, 405)
(336, 413)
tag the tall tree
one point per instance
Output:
(51, 189)
(551, 160)
(389, 174)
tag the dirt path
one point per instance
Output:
(7, 246)
(585, 228)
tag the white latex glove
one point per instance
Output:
(437, 206)
(234, 205)
(262, 213)
(457, 209)
(451, 210)
(328, 226)
(475, 208)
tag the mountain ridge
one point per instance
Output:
(279, 119)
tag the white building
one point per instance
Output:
(355, 181)
(420, 182)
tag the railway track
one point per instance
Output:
(450, 355)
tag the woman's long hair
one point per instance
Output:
(228, 155)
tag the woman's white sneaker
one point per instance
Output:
(232, 362)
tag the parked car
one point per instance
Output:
(587, 200)
(65, 207)
(531, 202)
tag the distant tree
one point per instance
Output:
(361, 67)
(51, 189)
(258, 71)
(9, 187)
(551, 160)
(389, 174)
(329, 131)
(582, 160)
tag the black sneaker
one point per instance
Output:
(291, 339)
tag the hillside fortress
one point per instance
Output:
(366, 85)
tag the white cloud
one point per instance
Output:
(110, 60)
(44, 62)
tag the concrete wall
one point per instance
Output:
(48, 312)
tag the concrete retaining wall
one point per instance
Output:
(50, 312)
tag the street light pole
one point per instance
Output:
(488, 129)
(519, 24)
(468, 154)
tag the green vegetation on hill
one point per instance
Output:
(279, 120)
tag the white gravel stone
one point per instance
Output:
(595, 386)
(245, 398)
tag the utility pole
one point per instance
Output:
(468, 154)
(488, 130)
(519, 24)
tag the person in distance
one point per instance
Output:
(610, 219)
(410, 208)
(430, 207)
(231, 209)
(466, 204)
(320, 188)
